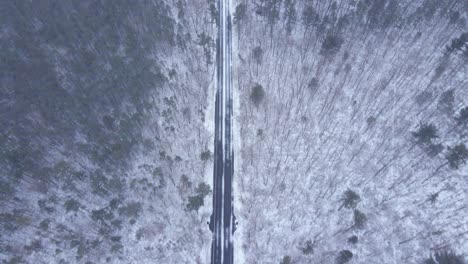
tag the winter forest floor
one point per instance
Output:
(105, 134)
(355, 112)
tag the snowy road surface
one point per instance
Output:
(222, 219)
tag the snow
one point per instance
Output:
(314, 146)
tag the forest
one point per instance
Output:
(352, 128)
(105, 131)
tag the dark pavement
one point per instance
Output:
(222, 220)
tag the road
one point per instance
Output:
(222, 221)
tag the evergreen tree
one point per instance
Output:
(257, 95)
(331, 44)
(457, 44)
(240, 13)
(350, 199)
(257, 54)
(198, 200)
(462, 117)
(360, 219)
(457, 156)
(426, 133)
(446, 101)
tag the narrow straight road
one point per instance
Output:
(222, 221)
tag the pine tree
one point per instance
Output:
(331, 44)
(257, 94)
(446, 101)
(240, 13)
(360, 219)
(462, 117)
(426, 133)
(350, 199)
(457, 156)
(257, 54)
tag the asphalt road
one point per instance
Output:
(222, 221)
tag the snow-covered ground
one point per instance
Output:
(107, 131)
(343, 93)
